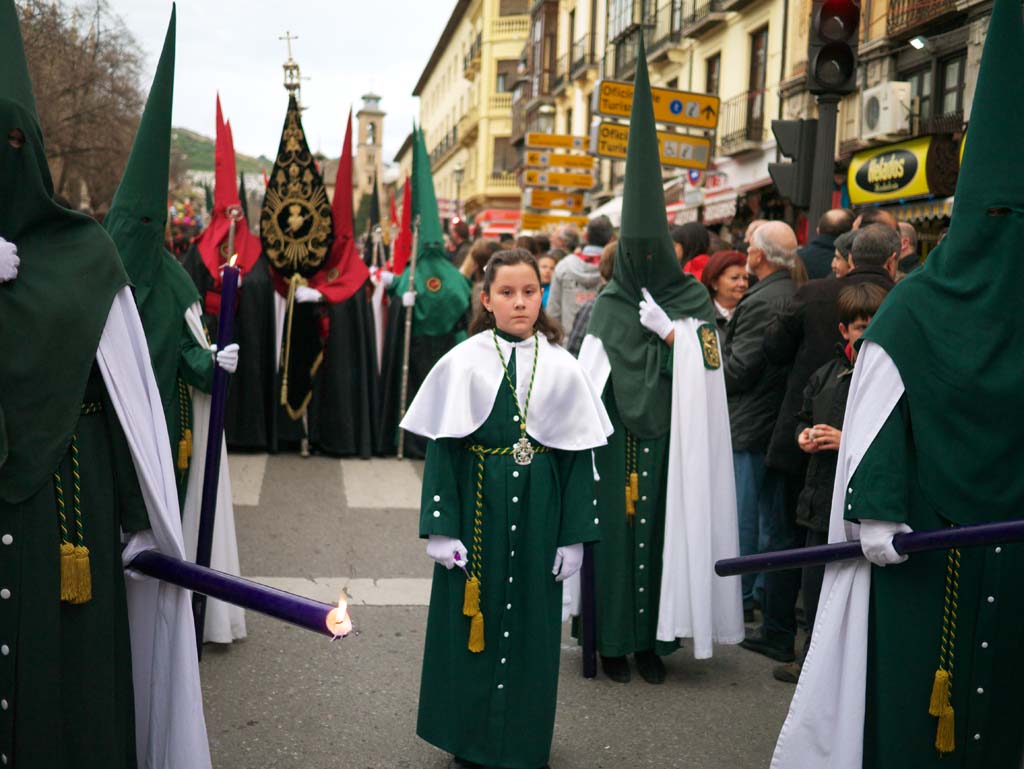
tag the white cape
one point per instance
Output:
(565, 412)
(224, 622)
(169, 724)
(825, 725)
(700, 508)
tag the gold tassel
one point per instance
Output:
(82, 575)
(188, 440)
(940, 693)
(183, 454)
(67, 559)
(476, 633)
(944, 737)
(471, 599)
(630, 506)
(634, 485)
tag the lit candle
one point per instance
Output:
(338, 621)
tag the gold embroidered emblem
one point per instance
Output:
(709, 346)
(433, 284)
(332, 274)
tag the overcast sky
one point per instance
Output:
(344, 47)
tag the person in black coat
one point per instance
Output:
(819, 428)
(755, 387)
(817, 255)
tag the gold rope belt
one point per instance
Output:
(940, 704)
(75, 574)
(632, 477)
(184, 424)
(474, 569)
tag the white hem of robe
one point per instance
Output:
(169, 724)
(701, 526)
(224, 622)
(458, 394)
(377, 305)
(825, 725)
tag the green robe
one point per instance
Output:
(628, 557)
(65, 670)
(497, 707)
(905, 627)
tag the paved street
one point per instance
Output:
(288, 699)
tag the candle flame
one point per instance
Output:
(232, 260)
(338, 620)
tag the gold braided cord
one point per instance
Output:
(58, 485)
(76, 490)
(476, 553)
(483, 451)
(508, 378)
(286, 350)
(940, 704)
(91, 408)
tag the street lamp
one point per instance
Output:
(457, 173)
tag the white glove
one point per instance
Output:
(307, 294)
(652, 317)
(443, 549)
(876, 541)
(227, 358)
(408, 299)
(567, 561)
(386, 277)
(9, 261)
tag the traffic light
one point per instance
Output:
(795, 139)
(832, 46)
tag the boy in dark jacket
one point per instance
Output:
(819, 429)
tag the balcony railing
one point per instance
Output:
(906, 14)
(449, 141)
(667, 25)
(471, 64)
(558, 77)
(702, 15)
(510, 27)
(950, 123)
(626, 48)
(741, 125)
(582, 56)
(501, 102)
(503, 181)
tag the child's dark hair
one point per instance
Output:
(859, 302)
(484, 319)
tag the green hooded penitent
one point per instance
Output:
(163, 290)
(55, 310)
(442, 293)
(645, 259)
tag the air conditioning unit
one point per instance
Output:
(885, 111)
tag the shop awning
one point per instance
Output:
(924, 210)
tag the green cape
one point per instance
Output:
(442, 292)
(950, 327)
(645, 258)
(54, 311)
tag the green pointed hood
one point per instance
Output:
(137, 219)
(54, 311)
(442, 292)
(645, 258)
(950, 327)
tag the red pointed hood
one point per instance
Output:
(403, 243)
(344, 273)
(212, 242)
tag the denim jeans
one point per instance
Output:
(749, 470)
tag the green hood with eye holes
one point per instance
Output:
(953, 327)
(52, 314)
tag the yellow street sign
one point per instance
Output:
(609, 140)
(696, 110)
(566, 201)
(542, 159)
(558, 179)
(540, 221)
(555, 141)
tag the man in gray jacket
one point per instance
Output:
(755, 388)
(577, 277)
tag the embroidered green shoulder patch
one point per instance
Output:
(708, 337)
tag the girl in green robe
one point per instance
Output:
(508, 498)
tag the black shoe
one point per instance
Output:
(748, 617)
(788, 673)
(616, 668)
(461, 763)
(650, 667)
(760, 645)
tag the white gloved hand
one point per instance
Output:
(227, 358)
(9, 261)
(386, 277)
(652, 317)
(307, 294)
(443, 549)
(408, 299)
(568, 560)
(876, 541)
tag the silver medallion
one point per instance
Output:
(522, 451)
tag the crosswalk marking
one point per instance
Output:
(247, 471)
(395, 591)
(381, 483)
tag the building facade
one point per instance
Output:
(466, 106)
(369, 137)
